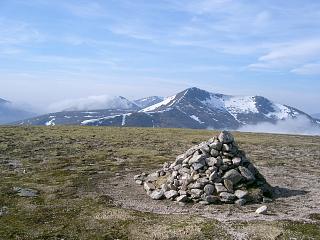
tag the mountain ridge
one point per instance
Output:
(190, 108)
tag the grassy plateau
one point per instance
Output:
(80, 173)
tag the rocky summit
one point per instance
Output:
(213, 172)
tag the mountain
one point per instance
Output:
(191, 108)
(316, 115)
(10, 113)
(83, 110)
(98, 102)
(148, 101)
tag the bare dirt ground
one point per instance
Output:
(297, 195)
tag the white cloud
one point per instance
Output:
(90, 103)
(291, 55)
(300, 125)
(308, 69)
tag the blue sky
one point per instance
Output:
(51, 50)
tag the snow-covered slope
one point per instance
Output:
(148, 101)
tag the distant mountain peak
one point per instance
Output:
(148, 101)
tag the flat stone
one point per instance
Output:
(212, 199)
(246, 173)
(196, 192)
(148, 186)
(196, 158)
(157, 194)
(153, 177)
(220, 188)
(240, 193)
(197, 166)
(203, 203)
(171, 194)
(25, 192)
(225, 196)
(262, 210)
(267, 200)
(233, 175)
(195, 185)
(182, 198)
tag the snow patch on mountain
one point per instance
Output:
(51, 122)
(166, 102)
(85, 122)
(196, 118)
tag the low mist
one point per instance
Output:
(300, 125)
(84, 104)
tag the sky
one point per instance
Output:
(54, 50)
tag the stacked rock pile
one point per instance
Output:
(212, 172)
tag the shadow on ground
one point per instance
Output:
(281, 192)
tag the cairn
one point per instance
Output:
(213, 172)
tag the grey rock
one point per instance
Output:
(246, 173)
(196, 158)
(209, 189)
(226, 147)
(196, 192)
(203, 203)
(148, 186)
(153, 177)
(4, 211)
(195, 185)
(214, 153)
(241, 202)
(136, 177)
(216, 145)
(139, 182)
(180, 158)
(233, 175)
(267, 200)
(220, 188)
(212, 199)
(171, 194)
(262, 210)
(213, 176)
(25, 192)
(228, 184)
(236, 161)
(225, 137)
(240, 193)
(157, 194)
(177, 167)
(182, 198)
(197, 166)
(225, 196)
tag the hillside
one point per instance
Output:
(80, 186)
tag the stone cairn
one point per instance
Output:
(212, 172)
